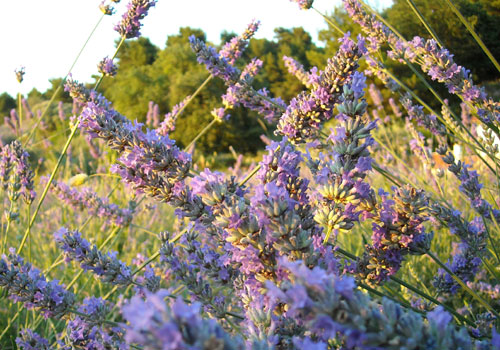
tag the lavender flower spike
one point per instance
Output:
(233, 49)
(216, 64)
(89, 200)
(309, 79)
(29, 340)
(304, 4)
(15, 173)
(306, 112)
(106, 266)
(154, 325)
(131, 21)
(106, 67)
(331, 307)
(26, 284)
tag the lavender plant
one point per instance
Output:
(302, 252)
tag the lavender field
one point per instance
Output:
(358, 209)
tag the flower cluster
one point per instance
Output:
(215, 63)
(398, 230)
(194, 265)
(95, 205)
(241, 93)
(151, 163)
(106, 67)
(168, 123)
(304, 4)
(239, 89)
(131, 21)
(233, 49)
(26, 284)
(90, 332)
(16, 175)
(106, 9)
(429, 121)
(309, 79)
(153, 324)
(331, 307)
(306, 112)
(29, 340)
(470, 185)
(467, 256)
(106, 266)
(340, 174)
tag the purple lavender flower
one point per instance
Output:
(470, 185)
(29, 340)
(339, 173)
(215, 63)
(220, 114)
(330, 307)
(90, 332)
(130, 25)
(467, 255)
(233, 49)
(154, 325)
(398, 230)
(106, 67)
(168, 123)
(107, 9)
(26, 284)
(89, 200)
(430, 122)
(26, 106)
(304, 4)
(309, 79)
(106, 266)
(162, 164)
(306, 112)
(16, 175)
(239, 90)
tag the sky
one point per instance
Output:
(46, 36)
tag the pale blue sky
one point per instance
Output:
(45, 36)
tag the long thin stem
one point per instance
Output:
(200, 134)
(463, 285)
(35, 126)
(20, 111)
(424, 22)
(59, 161)
(9, 220)
(474, 34)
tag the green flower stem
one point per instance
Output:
(424, 22)
(20, 109)
(474, 34)
(415, 290)
(200, 134)
(401, 302)
(9, 220)
(463, 285)
(35, 126)
(59, 161)
(198, 90)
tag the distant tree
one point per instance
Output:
(7, 102)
